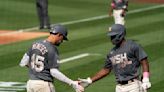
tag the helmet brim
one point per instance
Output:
(112, 33)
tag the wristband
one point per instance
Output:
(146, 74)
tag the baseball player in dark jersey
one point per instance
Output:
(118, 10)
(125, 59)
(42, 61)
(42, 10)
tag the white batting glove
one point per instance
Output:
(85, 82)
(146, 83)
(77, 87)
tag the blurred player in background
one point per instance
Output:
(118, 10)
(42, 61)
(125, 59)
(42, 10)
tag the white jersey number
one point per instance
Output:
(37, 62)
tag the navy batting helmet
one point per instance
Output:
(58, 28)
(117, 33)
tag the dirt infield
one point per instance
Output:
(7, 37)
(150, 1)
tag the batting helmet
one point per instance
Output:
(58, 28)
(117, 33)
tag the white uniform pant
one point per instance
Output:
(130, 87)
(39, 86)
(118, 19)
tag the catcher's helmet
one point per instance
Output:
(59, 29)
(117, 33)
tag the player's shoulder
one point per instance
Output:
(42, 43)
(38, 41)
(131, 42)
(112, 50)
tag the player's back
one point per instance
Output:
(39, 68)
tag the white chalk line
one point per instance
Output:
(78, 57)
(88, 19)
(101, 17)
(106, 16)
(83, 20)
(12, 86)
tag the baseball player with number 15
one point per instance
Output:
(125, 60)
(42, 61)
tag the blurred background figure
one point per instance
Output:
(42, 10)
(118, 10)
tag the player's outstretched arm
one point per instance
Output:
(145, 80)
(60, 76)
(86, 82)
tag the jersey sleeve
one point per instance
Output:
(108, 63)
(52, 59)
(139, 52)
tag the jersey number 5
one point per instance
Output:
(37, 62)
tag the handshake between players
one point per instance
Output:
(125, 59)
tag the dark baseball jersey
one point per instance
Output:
(120, 4)
(125, 60)
(43, 57)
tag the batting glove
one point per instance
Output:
(146, 83)
(85, 82)
(77, 87)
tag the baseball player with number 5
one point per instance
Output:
(125, 59)
(42, 61)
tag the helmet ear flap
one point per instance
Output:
(122, 35)
(118, 38)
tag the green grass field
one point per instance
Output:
(145, 27)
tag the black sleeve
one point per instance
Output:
(52, 59)
(139, 52)
(108, 63)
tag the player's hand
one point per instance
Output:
(146, 83)
(77, 87)
(123, 13)
(85, 82)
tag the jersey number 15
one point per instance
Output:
(37, 62)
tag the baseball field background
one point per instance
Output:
(85, 52)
